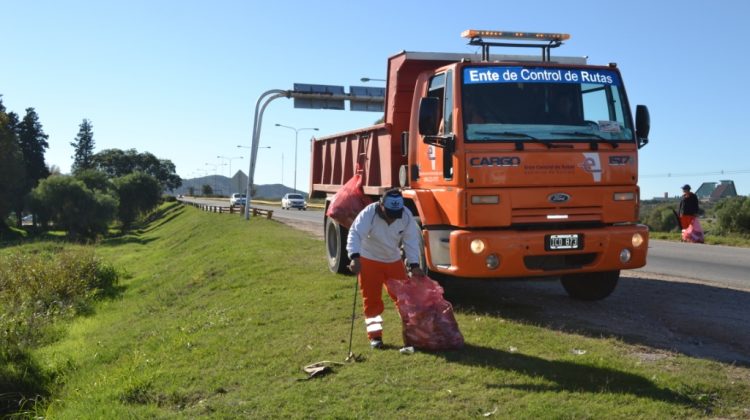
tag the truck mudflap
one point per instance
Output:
(515, 254)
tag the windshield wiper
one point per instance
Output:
(582, 134)
(519, 145)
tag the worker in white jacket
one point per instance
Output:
(373, 246)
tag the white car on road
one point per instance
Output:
(237, 199)
(293, 201)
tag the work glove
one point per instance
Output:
(354, 266)
(415, 271)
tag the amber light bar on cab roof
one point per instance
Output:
(531, 36)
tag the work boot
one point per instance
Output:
(376, 343)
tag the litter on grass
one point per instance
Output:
(319, 369)
(406, 350)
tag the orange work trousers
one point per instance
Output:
(372, 278)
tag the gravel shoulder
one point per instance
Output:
(665, 314)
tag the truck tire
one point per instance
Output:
(338, 259)
(590, 286)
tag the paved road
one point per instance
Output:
(716, 264)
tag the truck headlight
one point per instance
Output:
(477, 246)
(637, 240)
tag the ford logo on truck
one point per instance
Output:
(558, 198)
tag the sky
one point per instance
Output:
(180, 79)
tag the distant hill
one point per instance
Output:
(224, 186)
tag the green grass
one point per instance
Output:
(218, 316)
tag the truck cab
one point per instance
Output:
(516, 166)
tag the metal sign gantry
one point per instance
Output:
(361, 98)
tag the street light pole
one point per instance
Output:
(296, 135)
(230, 159)
(215, 166)
(239, 146)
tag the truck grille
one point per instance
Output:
(539, 215)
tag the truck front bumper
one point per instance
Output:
(513, 253)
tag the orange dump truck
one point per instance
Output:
(516, 166)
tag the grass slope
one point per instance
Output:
(218, 316)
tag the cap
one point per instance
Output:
(686, 187)
(393, 203)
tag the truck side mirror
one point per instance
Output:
(642, 125)
(429, 110)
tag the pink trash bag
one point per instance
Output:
(427, 317)
(348, 202)
(694, 232)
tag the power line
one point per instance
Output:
(674, 175)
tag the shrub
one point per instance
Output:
(67, 202)
(661, 218)
(36, 289)
(139, 193)
(733, 215)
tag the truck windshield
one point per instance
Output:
(513, 103)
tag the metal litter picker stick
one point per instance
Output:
(350, 355)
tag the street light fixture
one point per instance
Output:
(296, 135)
(215, 170)
(230, 159)
(369, 79)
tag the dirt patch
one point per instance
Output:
(663, 313)
(313, 228)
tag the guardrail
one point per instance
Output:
(229, 209)
(256, 211)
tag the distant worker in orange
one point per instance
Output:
(689, 208)
(374, 248)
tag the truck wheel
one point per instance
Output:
(338, 260)
(590, 286)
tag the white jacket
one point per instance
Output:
(372, 237)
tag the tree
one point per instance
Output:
(139, 193)
(11, 164)
(206, 189)
(72, 206)
(84, 147)
(33, 142)
(94, 180)
(117, 163)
